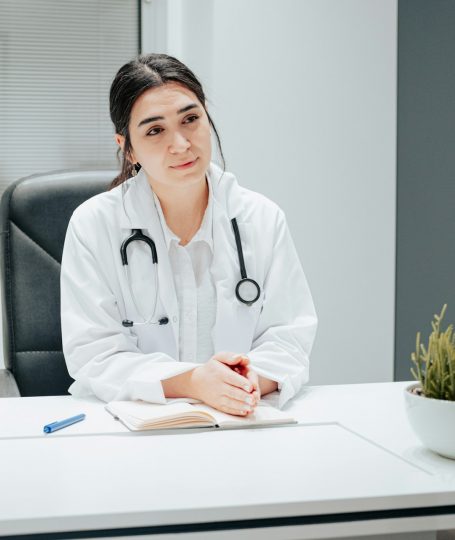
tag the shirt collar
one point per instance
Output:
(204, 234)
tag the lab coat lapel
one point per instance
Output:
(233, 326)
(223, 273)
(140, 213)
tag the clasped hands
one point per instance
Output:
(228, 383)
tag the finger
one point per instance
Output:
(242, 370)
(230, 376)
(234, 393)
(253, 378)
(234, 411)
(243, 364)
(236, 379)
(257, 397)
(242, 359)
(240, 407)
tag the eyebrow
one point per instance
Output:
(155, 118)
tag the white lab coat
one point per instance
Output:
(114, 362)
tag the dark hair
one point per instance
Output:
(142, 73)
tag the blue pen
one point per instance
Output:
(49, 428)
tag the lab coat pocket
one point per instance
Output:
(236, 321)
(154, 338)
(151, 337)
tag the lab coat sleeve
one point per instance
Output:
(102, 355)
(287, 324)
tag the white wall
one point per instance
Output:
(303, 93)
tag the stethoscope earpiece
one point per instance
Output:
(137, 234)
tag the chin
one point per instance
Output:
(193, 178)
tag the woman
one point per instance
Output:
(133, 329)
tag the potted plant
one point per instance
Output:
(430, 403)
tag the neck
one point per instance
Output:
(184, 209)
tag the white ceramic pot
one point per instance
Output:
(433, 421)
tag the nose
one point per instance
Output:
(179, 143)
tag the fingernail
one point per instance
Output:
(247, 388)
(249, 400)
(247, 408)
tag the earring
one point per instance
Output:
(136, 168)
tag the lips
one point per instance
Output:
(184, 165)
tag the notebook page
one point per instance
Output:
(263, 415)
(139, 413)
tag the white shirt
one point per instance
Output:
(195, 290)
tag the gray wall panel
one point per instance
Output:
(425, 171)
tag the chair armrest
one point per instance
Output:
(8, 386)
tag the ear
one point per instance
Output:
(120, 140)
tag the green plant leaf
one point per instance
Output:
(434, 364)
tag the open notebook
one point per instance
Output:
(140, 416)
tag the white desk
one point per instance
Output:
(351, 468)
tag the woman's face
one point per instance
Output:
(170, 136)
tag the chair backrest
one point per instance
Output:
(34, 216)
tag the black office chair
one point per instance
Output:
(34, 216)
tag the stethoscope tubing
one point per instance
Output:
(138, 235)
(238, 243)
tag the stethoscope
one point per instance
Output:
(247, 290)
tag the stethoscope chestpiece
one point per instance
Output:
(247, 291)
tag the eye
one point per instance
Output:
(190, 119)
(155, 131)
